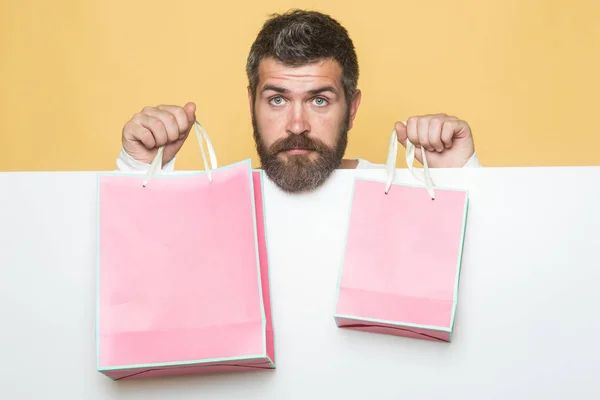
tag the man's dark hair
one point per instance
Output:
(298, 38)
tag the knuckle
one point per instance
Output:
(156, 124)
(146, 136)
(172, 128)
(160, 140)
(171, 120)
(182, 118)
(436, 122)
(180, 112)
(423, 124)
(128, 125)
(450, 124)
(136, 118)
(129, 129)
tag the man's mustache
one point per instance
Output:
(298, 142)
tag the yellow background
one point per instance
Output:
(523, 73)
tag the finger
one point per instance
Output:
(146, 137)
(435, 133)
(190, 110)
(401, 132)
(183, 124)
(137, 133)
(168, 121)
(448, 130)
(423, 133)
(411, 130)
(155, 126)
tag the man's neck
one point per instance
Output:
(349, 164)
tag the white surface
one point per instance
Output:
(527, 325)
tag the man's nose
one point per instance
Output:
(298, 120)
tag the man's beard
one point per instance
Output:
(300, 173)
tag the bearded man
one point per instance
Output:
(303, 96)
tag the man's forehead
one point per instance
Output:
(322, 72)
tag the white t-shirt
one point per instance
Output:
(126, 163)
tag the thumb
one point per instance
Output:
(190, 111)
(401, 132)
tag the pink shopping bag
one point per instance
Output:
(183, 282)
(402, 259)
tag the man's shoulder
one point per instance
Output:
(364, 164)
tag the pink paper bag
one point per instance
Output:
(402, 260)
(183, 282)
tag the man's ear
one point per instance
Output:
(354, 107)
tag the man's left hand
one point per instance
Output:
(447, 140)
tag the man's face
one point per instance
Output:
(301, 120)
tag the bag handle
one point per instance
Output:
(156, 165)
(410, 158)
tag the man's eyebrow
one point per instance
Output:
(274, 88)
(323, 89)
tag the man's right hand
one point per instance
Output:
(153, 127)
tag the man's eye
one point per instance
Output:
(276, 101)
(319, 101)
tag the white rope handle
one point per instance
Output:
(156, 165)
(410, 158)
(211, 151)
